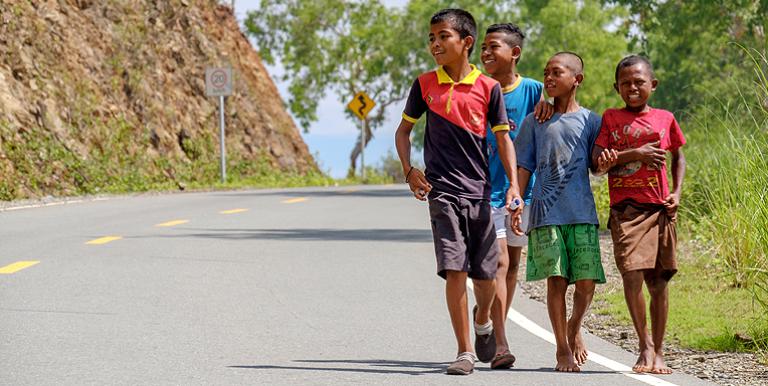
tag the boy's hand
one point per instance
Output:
(515, 224)
(607, 159)
(652, 154)
(418, 184)
(672, 202)
(543, 111)
(515, 214)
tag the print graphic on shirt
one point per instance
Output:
(628, 137)
(476, 117)
(552, 182)
(626, 169)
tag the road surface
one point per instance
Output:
(297, 286)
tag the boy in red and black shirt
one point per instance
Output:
(459, 102)
(633, 143)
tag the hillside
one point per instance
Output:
(102, 96)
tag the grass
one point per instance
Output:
(706, 313)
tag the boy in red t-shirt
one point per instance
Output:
(633, 143)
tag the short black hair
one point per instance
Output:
(460, 20)
(630, 61)
(579, 63)
(513, 34)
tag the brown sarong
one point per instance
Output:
(644, 237)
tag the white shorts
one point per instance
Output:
(501, 222)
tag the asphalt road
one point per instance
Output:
(301, 286)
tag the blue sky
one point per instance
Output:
(331, 137)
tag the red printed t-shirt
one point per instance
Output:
(455, 136)
(622, 129)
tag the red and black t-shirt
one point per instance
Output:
(458, 114)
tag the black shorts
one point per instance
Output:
(464, 236)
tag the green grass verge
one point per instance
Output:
(705, 311)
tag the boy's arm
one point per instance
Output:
(509, 161)
(414, 177)
(672, 201)
(651, 154)
(523, 177)
(499, 123)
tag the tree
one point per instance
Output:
(588, 28)
(689, 44)
(346, 46)
(342, 46)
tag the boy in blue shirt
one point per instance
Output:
(563, 245)
(460, 102)
(501, 51)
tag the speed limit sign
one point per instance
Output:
(218, 81)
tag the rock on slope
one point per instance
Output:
(110, 95)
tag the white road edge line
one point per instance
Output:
(47, 204)
(542, 333)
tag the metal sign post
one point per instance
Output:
(361, 105)
(218, 82)
(362, 149)
(222, 146)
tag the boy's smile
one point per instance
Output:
(635, 84)
(445, 44)
(497, 56)
(559, 80)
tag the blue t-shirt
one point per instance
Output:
(559, 151)
(520, 99)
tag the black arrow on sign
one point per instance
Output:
(362, 101)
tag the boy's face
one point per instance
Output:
(446, 45)
(635, 85)
(559, 78)
(497, 56)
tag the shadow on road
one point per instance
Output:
(396, 367)
(375, 192)
(384, 366)
(307, 234)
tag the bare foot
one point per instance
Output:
(644, 362)
(567, 363)
(659, 367)
(576, 343)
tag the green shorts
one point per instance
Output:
(570, 251)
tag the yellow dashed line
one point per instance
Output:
(16, 267)
(233, 211)
(349, 191)
(172, 223)
(104, 240)
(295, 200)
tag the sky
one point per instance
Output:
(331, 137)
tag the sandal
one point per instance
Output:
(503, 360)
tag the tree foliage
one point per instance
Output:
(587, 28)
(690, 43)
(344, 46)
(340, 46)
